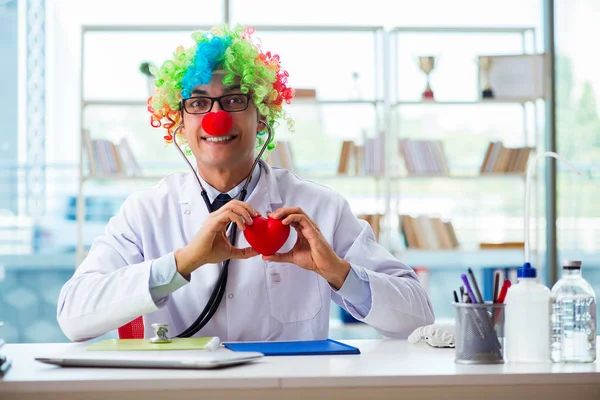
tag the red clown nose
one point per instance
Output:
(217, 123)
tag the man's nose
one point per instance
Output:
(216, 106)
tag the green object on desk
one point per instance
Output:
(145, 344)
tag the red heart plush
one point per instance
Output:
(266, 235)
(217, 123)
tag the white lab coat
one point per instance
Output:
(263, 300)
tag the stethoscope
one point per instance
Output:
(219, 289)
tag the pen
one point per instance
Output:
(503, 291)
(468, 288)
(475, 286)
(501, 297)
(455, 297)
(496, 286)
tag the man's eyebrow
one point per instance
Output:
(202, 92)
(230, 88)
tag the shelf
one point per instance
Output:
(335, 102)
(115, 103)
(122, 177)
(477, 259)
(299, 101)
(463, 29)
(434, 260)
(461, 259)
(258, 28)
(412, 177)
(463, 102)
(39, 261)
(317, 177)
(463, 177)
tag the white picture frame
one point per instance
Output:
(514, 77)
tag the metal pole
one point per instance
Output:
(226, 12)
(80, 210)
(387, 137)
(549, 45)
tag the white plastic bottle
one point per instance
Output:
(527, 319)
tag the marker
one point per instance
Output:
(468, 287)
(503, 291)
(465, 298)
(496, 286)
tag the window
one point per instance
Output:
(578, 136)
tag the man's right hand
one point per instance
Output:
(211, 245)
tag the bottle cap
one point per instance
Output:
(526, 271)
(571, 264)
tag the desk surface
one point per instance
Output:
(383, 363)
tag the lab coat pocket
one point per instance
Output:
(294, 293)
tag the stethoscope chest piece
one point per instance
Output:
(161, 332)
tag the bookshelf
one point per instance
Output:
(386, 184)
(414, 161)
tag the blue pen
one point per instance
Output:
(468, 288)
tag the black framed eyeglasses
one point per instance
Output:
(203, 104)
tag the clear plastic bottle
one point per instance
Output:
(573, 317)
(527, 326)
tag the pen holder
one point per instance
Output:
(479, 333)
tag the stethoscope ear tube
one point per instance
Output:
(219, 289)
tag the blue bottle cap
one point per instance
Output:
(526, 271)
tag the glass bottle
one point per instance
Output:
(572, 317)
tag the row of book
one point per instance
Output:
(374, 220)
(107, 158)
(424, 157)
(428, 233)
(367, 159)
(281, 156)
(500, 159)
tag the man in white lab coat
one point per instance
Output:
(163, 254)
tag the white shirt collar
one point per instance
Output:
(235, 192)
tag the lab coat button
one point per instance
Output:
(187, 212)
(230, 295)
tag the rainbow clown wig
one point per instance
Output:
(236, 53)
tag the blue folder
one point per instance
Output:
(295, 348)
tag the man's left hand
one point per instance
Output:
(311, 251)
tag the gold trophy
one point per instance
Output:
(427, 64)
(485, 64)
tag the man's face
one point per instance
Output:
(238, 150)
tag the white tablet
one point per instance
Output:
(153, 359)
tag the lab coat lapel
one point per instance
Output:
(192, 207)
(265, 197)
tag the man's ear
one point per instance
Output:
(261, 127)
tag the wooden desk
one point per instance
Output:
(386, 369)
